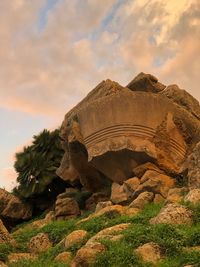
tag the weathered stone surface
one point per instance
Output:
(66, 207)
(4, 234)
(130, 185)
(158, 198)
(140, 170)
(13, 208)
(173, 214)
(118, 194)
(176, 195)
(192, 166)
(193, 196)
(102, 205)
(143, 199)
(95, 198)
(74, 238)
(150, 252)
(87, 255)
(108, 233)
(2, 264)
(39, 243)
(65, 257)
(155, 182)
(183, 98)
(146, 82)
(15, 257)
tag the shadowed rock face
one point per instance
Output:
(115, 129)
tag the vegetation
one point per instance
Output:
(37, 163)
(173, 240)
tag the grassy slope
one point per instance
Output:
(171, 238)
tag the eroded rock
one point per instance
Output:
(65, 257)
(143, 199)
(150, 252)
(74, 238)
(193, 196)
(39, 243)
(66, 208)
(118, 194)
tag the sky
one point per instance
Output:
(53, 52)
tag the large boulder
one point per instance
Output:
(114, 129)
(66, 208)
(12, 208)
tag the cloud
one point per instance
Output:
(47, 68)
(8, 178)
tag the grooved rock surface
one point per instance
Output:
(173, 214)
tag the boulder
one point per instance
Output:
(158, 198)
(39, 243)
(192, 167)
(15, 257)
(150, 252)
(173, 214)
(109, 233)
(143, 199)
(102, 205)
(140, 170)
(12, 208)
(2, 264)
(118, 194)
(64, 257)
(87, 255)
(155, 182)
(4, 234)
(146, 82)
(66, 208)
(94, 199)
(176, 195)
(130, 185)
(193, 196)
(75, 238)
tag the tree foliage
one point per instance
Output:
(37, 163)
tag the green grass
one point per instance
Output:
(5, 250)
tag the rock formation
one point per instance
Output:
(114, 130)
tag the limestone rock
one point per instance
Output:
(12, 208)
(102, 205)
(150, 252)
(87, 255)
(4, 234)
(183, 98)
(143, 199)
(145, 82)
(74, 238)
(15, 257)
(94, 199)
(173, 214)
(192, 166)
(140, 170)
(39, 243)
(193, 196)
(65, 257)
(118, 195)
(130, 185)
(108, 233)
(155, 182)
(176, 195)
(158, 198)
(66, 207)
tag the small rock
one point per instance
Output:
(118, 195)
(102, 205)
(175, 195)
(150, 252)
(87, 255)
(95, 198)
(64, 257)
(193, 196)
(2, 264)
(143, 199)
(173, 214)
(74, 238)
(14, 257)
(131, 185)
(39, 243)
